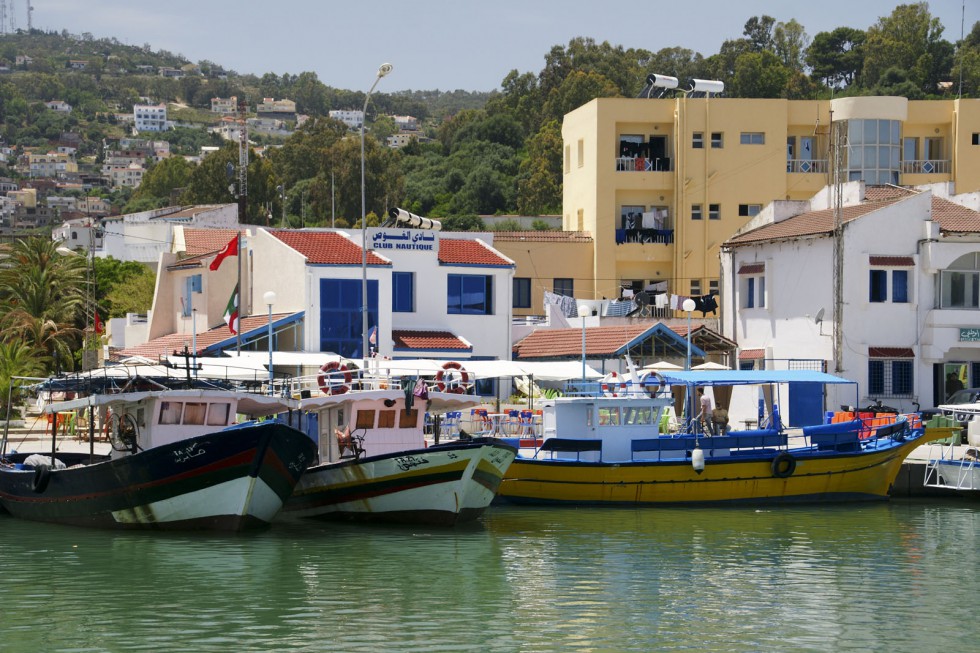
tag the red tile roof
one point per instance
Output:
(752, 268)
(198, 242)
(428, 340)
(891, 261)
(954, 218)
(166, 345)
(599, 341)
(890, 352)
(751, 354)
(543, 236)
(326, 247)
(454, 251)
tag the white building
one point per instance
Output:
(58, 105)
(143, 236)
(150, 117)
(910, 271)
(353, 118)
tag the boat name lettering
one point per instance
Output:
(185, 454)
(408, 462)
(299, 464)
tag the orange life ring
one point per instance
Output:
(452, 378)
(330, 380)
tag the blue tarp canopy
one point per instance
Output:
(744, 377)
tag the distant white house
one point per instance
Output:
(150, 117)
(353, 118)
(910, 270)
(58, 105)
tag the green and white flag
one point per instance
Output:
(231, 312)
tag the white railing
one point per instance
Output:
(642, 164)
(926, 167)
(806, 166)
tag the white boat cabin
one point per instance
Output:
(142, 420)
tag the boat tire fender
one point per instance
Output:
(42, 475)
(783, 465)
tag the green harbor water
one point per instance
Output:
(895, 576)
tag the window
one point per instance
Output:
(752, 138)
(580, 219)
(695, 211)
(890, 377)
(581, 153)
(340, 315)
(750, 292)
(386, 419)
(749, 210)
(717, 140)
(714, 211)
(752, 285)
(697, 140)
(408, 419)
(170, 412)
(194, 412)
(365, 419)
(522, 292)
(976, 139)
(910, 149)
(403, 292)
(218, 414)
(192, 284)
(695, 287)
(713, 287)
(568, 159)
(878, 286)
(564, 287)
(469, 294)
(873, 151)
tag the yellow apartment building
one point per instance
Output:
(661, 183)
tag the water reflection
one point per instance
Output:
(868, 577)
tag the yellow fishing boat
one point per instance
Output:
(609, 450)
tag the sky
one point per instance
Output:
(438, 44)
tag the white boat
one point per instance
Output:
(953, 466)
(178, 460)
(374, 463)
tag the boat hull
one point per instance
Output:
(443, 485)
(234, 479)
(859, 476)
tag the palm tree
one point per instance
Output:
(42, 298)
(17, 358)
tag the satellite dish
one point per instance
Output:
(819, 317)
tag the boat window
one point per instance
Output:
(218, 414)
(609, 416)
(386, 419)
(170, 412)
(637, 416)
(365, 419)
(194, 412)
(408, 419)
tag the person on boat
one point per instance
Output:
(705, 416)
(344, 441)
(719, 421)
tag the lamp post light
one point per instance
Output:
(688, 306)
(383, 70)
(270, 299)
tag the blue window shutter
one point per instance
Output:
(900, 286)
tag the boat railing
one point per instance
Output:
(948, 456)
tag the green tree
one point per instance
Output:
(540, 176)
(162, 178)
(790, 43)
(909, 39)
(17, 359)
(837, 57)
(760, 75)
(134, 294)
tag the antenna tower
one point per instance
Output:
(242, 160)
(838, 143)
(30, 10)
(3, 16)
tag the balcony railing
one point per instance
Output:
(805, 166)
(642, 164)
(926, 167)
(645, 236)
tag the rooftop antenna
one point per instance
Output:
(959, 93)
(30, 10)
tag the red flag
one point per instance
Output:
(98, 323)
(231, 249)
(231, 312)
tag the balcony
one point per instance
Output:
(642, 164)
(818, 166)
(645, 236)
(926, 167)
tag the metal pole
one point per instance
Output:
(271, 376)
(382, 71)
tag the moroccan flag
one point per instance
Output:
(231, 312)
(231, 249)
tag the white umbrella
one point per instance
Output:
(710, 366)
(662, 365)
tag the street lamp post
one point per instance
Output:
(688, 306)
(270, 299)
(382, 71)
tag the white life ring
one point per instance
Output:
(653, 390)
(614, 385)
(452, 378)
(334, 378)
